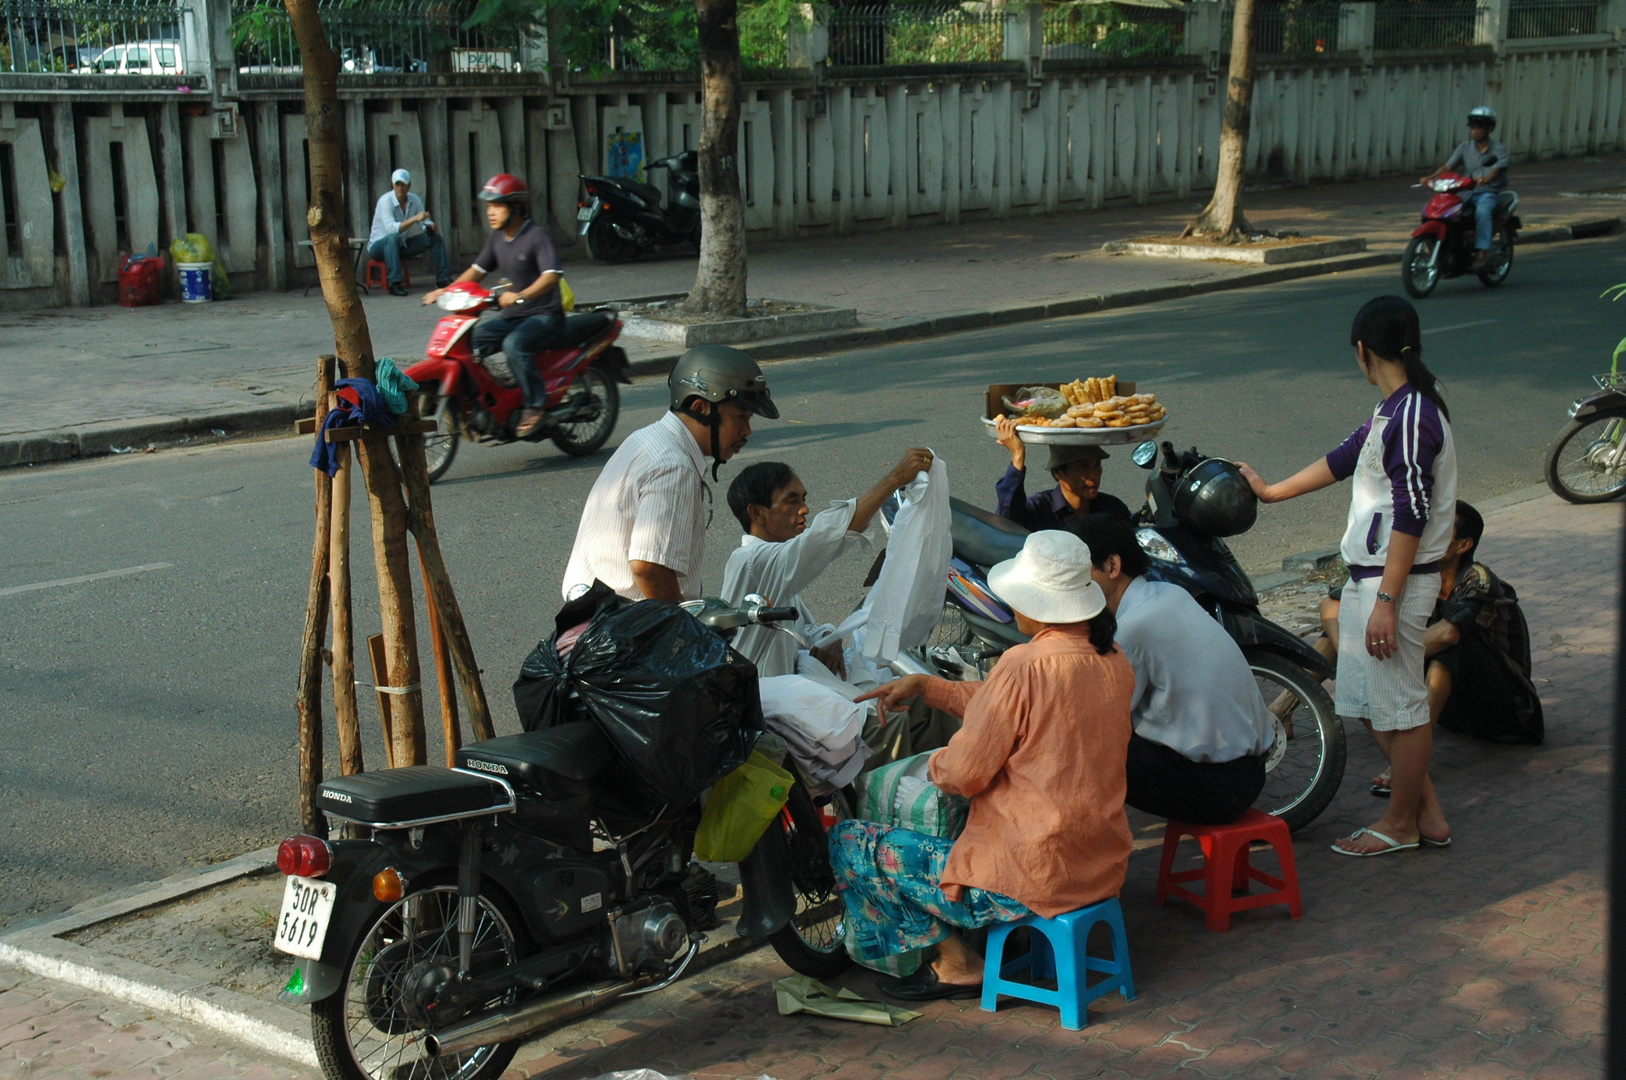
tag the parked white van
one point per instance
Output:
(157, 57)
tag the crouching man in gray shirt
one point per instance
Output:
(1201, 728)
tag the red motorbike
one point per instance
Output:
(478, 398)
(1443, 245)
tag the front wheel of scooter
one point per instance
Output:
(1306, 764)
(440, 445)
(814, 942)
(1419, 270)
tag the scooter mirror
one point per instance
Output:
(1145, 455)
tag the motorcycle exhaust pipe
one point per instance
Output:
(503, 1025)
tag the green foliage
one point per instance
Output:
(1104, 30)
(1614, 364)
(764, 27)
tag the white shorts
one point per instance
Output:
(1392, 694)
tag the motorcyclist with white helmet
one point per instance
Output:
(1486, 162)
(643, 530)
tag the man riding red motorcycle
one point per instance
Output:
(530, 316)
(1486, 162)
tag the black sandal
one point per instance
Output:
(924, 985)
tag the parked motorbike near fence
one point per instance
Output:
(530, 885)
(1443, 245)
(625, 217)
(1180, 528)
(477, 398)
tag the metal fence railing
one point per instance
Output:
(1294, 27)
(915, 34)
(112, 37)
(1081, 30)
(374, 37)
(1425, 24)
(1552, 18)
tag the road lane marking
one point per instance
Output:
(1155, 380)
(1460, 326)
(81, 579)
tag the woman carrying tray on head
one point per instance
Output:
(1401, 518)
(1076, 468)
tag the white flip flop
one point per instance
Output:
(1394, 845)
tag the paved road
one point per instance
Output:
(148, 716)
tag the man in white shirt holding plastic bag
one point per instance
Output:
(785, 549)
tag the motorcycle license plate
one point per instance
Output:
(307, 908)
(585, 214)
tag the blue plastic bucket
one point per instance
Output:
(195, 286)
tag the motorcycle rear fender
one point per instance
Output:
(1253, 631)
(615, 360)
(1601, 401)
(1431, 228)
(768, 903)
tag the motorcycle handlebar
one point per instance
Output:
(776, 614)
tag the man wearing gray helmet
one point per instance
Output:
(643, 530)
(1485, 161)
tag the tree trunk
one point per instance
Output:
(311, 818)
(719, 282)
(1222, 219)
(353, 342)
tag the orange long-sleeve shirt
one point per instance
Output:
(1041, 756)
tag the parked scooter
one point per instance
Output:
(1192, 502)
(477, 397)
(1587, 462)
(625, 216)
(1443, 245)
(523, 889)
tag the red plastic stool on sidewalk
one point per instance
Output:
(1226, 868)
(378, 274)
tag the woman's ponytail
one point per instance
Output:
(1389, 328)
(1103, 628)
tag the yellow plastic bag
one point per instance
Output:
(567, 296)
(742, 806)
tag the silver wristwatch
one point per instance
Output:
(1385, 598)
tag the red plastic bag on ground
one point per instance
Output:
(138, 280)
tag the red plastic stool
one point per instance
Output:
(1226, 868)
(378, 274)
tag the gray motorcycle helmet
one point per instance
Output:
(718, 373)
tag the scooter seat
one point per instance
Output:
(584, 327)
(406, 795)
(648, 191)
(982, 538)
(557, 763)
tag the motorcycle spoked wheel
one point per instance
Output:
(814, 942)
(440, 446)
(1416, 274)
(1587, 463)
(1501, 260)
(608, 246)
(365, 1031)
(581, 437)
(1306, 764)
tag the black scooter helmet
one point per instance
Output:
(1214, 498)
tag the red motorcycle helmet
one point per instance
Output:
(506, 188)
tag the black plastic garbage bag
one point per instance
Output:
(681, 707)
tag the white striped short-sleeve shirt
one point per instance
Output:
(648, 505)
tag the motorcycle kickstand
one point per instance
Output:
(468, 895)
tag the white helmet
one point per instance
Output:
(1482, 113)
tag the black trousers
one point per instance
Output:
(1167, 783)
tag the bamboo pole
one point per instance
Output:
(311, 818)
(443, 670)
(438, 584)
(375, 654)
(344, 655)
(395, 599)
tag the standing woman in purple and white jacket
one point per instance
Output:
(1401, 510)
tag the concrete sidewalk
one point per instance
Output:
(112, 379)
(1482, 960)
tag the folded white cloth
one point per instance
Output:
(815, 711)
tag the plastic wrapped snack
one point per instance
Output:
(1037, 401)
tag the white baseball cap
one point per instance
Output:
(401, 176)
(1049, 580)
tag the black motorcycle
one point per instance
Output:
(528, 886)
(1192, 502)
(1587, 462)
(626, 216)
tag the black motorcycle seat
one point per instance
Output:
(409, 794)
(584, 327)
(648, 191)
(558, 762)
(983, 538)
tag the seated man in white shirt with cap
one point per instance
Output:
(1202, 731)
(402, 229)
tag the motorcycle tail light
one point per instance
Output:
(388, 887)
(304, 856)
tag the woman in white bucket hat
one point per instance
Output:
(1041, 757)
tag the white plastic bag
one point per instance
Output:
(903, 606)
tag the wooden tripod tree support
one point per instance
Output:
(388, 506)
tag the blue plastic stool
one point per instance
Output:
(1056, 950)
